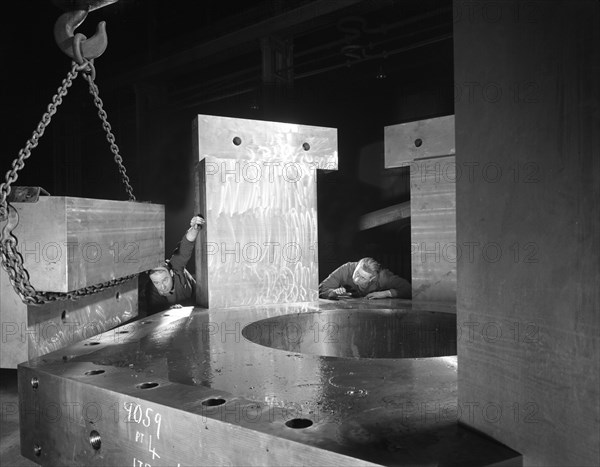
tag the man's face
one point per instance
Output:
(163, 282)
(362, 278)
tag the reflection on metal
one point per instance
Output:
(31, 331)
(185, 387)
(256, 186)
(356, 334)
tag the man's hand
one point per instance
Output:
(382, 294)
(197, 222)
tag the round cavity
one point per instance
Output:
(355, 333)
(147, 385)
(94, 372)
(298, 423)
(213, 402)
(95, 440)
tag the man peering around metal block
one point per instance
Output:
(172, 284)
(364, 278)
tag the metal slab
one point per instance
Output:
(186, 387)
(69, 243)
(30, 331)
(256, 186)
(407, 142)
(434, 251)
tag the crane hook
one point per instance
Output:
(77, 46)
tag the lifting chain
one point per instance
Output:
(11, 259)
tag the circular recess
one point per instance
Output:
(122, 332)
(92, 343)
(146, 322)
(213, 402)
(94, 372)
(147, 385)
(37, 450)
(306, 146)
(298, 423)
(118, 296)
(95, 440)
(237, 140)
(359, 333)
(63, 316)
(35, 383)
(418, 142)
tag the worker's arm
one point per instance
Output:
(336, 281)
(391, 286)
(185, 248)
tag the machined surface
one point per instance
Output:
(256, 186)
(69, 243)
(30, 331)
(185, 387)
(434, 250)
(421, 139)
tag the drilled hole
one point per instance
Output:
(298, 423)
(94, 372)
(118, 296)
(35, 383)
(95, 440)
(122, 332)
(92, 343)
(147, 385)
(145, 322)
(63, 316)
(237, 140)
(212, 402)
(306, 146)
(167, 315)
(37, 450)
(418, 142)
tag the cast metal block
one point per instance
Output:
(70, 243)
(256, 186)
(256, 386)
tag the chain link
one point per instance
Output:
(89, 75)
(11, 259)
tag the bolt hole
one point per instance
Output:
(167, 315)
(298, 423)
(122, 332)
(37, 450)
(63, 316)
(237, 140)
(213, 402)
(35, 383)
(147, 385)
(146, 322)
(94, 372)
(306, 146)
(95, 440)
(92, 343)
(418, 142)
(118, 296)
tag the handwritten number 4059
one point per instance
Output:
(136, 414)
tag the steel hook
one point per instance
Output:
(77, 46)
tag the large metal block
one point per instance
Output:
(172, 390)
(32, 331)
(434, 251)
(416, 140)
(256, 185)
(69, 243)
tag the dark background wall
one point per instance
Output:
(358, 69)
